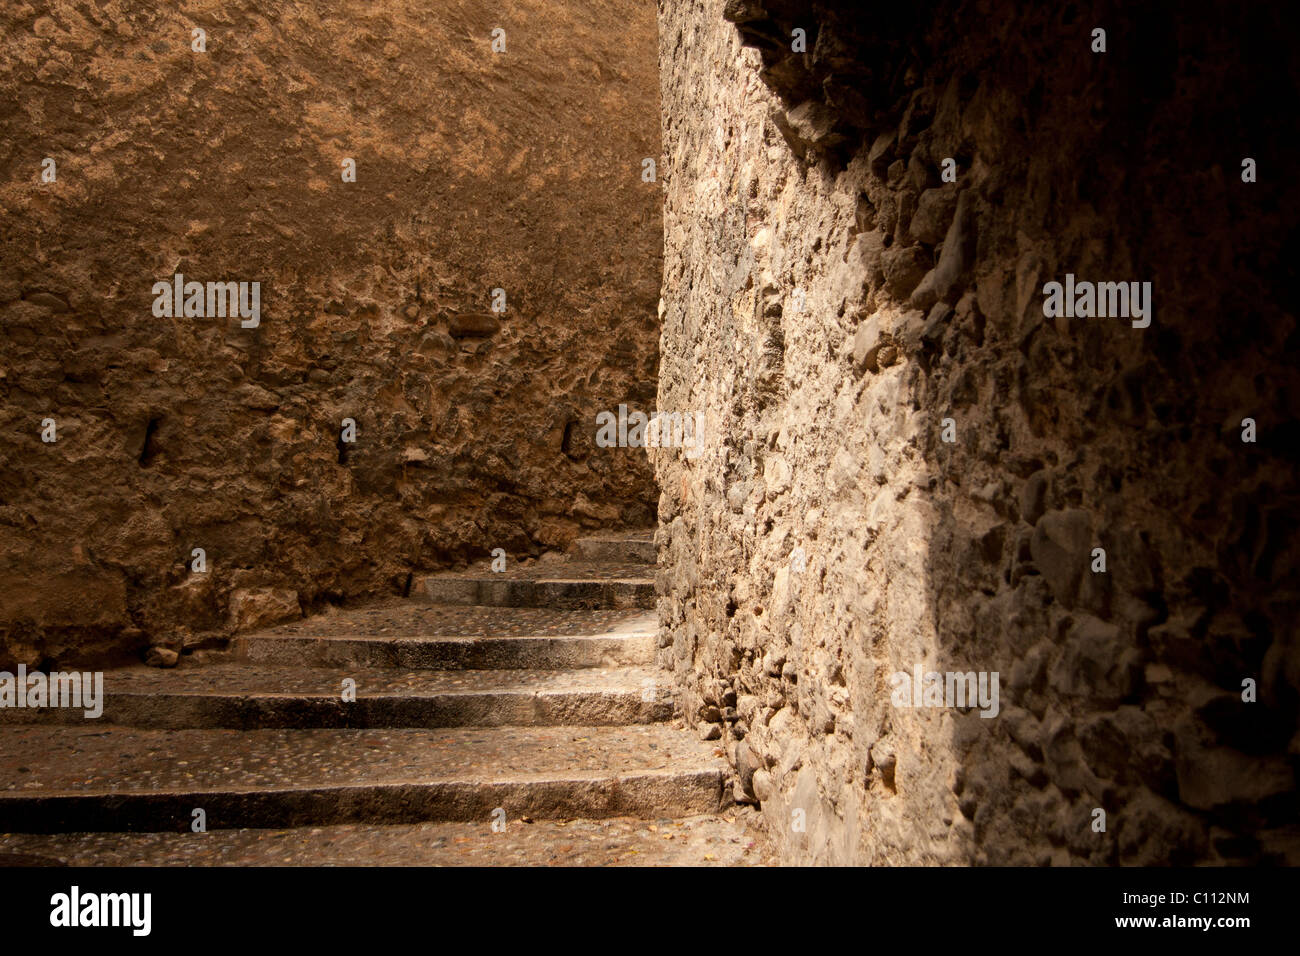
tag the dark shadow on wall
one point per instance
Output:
(1121, 689)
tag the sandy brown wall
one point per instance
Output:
(829, 537)
(475, 170)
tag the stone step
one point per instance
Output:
(731, 840)
(416, 635)
(240, 697)
(101, 778)
(450, 653)
(556, 592)
(616, 549)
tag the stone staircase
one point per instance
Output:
(486, 697)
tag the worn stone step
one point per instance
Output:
(82, 779)
(556, 592)
(617, 549)
(614, 649)
(237, 696)
(733, 839)
(402, 617)
(415, 635)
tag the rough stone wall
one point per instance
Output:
(819, 176)
(475, 170)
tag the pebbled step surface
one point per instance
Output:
(498, 591)
(569, 569)
(400, 617)
(230, 679)
(730, 840)
(448, 653)
(561, 583)
(411, 635)
(546, 713)
(115, 778)
(239, 696)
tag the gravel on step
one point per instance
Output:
(399, 617)
(240, 679)
(570, 570)
(732, 839)
(39, 759)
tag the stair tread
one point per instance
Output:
(639, 534)
(462, 706)
(627, 647)
(404, 618)
(607, 539)
(710, 840)
(92, 760)
(235, 679)
(571, 586)
(445, 638)
(566, 570)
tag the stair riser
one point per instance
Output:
(577, 595)
(615, 552)
(496, 709)
(650, 795)
(504, 653)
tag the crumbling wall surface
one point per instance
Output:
(475, 169)
(909, 466)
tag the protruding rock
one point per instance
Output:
(747, 764)
(253, 608)
(933, 215)
(1034, 496)
(1210, 777)
(1060, 547)
(953, 259)
(904, 269)
(1097, 663)
(743, 11)
(48, 300)
(159, 656)
(867, 342)
(463, 325)
(810, 124)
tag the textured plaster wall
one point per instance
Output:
(475, 170)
